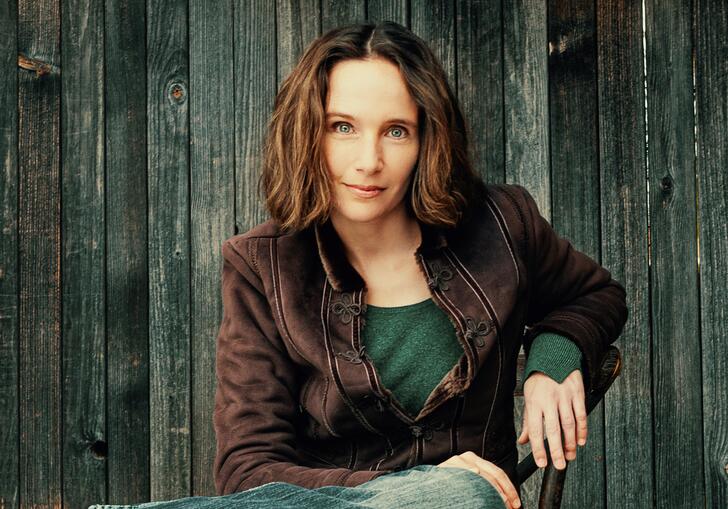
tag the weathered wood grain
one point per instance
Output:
(127, 294)
(168, 99)
(479, 49)
(434, 22)
(255, 90)
(628, 415)
(674, 294)
(9, 262)
(127, 311)
(387, 10)
(212, 208)
(334, 14)
(39, 251)
(711, 78)
(575, 193)
(83, 251)
(297, 23)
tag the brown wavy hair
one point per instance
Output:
(294, 180)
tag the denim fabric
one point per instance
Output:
(421, 487)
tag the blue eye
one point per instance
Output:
(337, 124)
(403, 131)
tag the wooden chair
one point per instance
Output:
(552, 484)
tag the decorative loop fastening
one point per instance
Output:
(425, 430)
(478, 331)
(346, 308)
(355, 357)
(441, 273)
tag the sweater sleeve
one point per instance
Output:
(255, 398)
(570, 293)
(554, 355)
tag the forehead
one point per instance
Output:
(370, 89)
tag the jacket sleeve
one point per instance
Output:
(571, 294)
(255, 398)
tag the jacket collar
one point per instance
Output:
(342, 276)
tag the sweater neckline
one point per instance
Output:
(387, 310)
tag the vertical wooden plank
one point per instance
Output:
(525, 93)
(383, 10)
(126, 257)
(435, 23)
(628, 414)
(39, 244)
(169, 256)
(255, 89)
(711, 81)
(334, 14)
(212, 181)
(298, 22)
(525, 98)
(9, 277)
(575, 190)
(674, 273)
(82, 234)
(480, 83)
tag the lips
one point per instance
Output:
(365, 192)
(366, 188)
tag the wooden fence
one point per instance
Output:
(130, 138)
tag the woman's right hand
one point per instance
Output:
(490, 472)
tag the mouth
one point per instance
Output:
(365, 191)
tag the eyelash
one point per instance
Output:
(403, 129)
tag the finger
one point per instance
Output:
(501, 478)
(535, 433)
(553, 433)
(581, 419)
(524, 433)
(568, 428)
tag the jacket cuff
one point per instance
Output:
(554, 355)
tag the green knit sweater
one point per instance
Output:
(402, 339)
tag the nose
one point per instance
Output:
(369, 156)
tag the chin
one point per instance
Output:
(361, 213)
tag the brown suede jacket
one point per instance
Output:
(298, 400)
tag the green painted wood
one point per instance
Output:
(525, 126)
(711, 73)
(83, 251)
(480, 83)
(434, 22)
(334, 14)
(298, 22)
(575, 195)
(9, 276)
(39, 247)
(677, 420)
(127, 316)
(212, 209)
(627, 408)
(169, 248)
(384, 10)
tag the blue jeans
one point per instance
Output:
(421, 487)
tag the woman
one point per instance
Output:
(371, 326)
(373, 323)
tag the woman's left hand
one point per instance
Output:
(554, 407)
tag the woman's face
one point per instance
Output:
(371, 138)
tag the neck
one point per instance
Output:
(396, 235)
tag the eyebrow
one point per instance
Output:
(391, 120)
